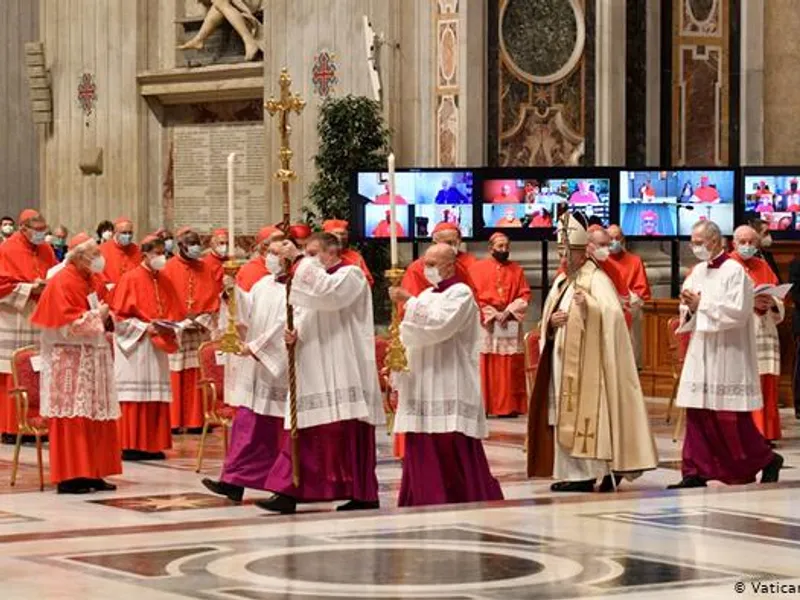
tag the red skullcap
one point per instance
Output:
(446, 227)
(334, 224)
(28, 214)
(77, 240)
(300, 231)
(122, 221)
(266, 232)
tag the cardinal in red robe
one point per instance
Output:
(630, 266)
(769, 312)
(385, 198)
(78, 394)
(25, 259)
(256, 268)
(142, 298)
(384, 228)
(503, 296)
(348, 255)
(121, 253)
(704, 193)
(218, 254)
(199, 296)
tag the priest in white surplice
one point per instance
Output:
(587, 385)
(338, 394)
(441, 407)
(719, 385)
(258, 383)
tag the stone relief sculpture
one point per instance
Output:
(241, 15)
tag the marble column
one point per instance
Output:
(653, 113)
(610, 83)
(751, 132)
(781, 82)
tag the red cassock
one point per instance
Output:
(706, 193)
(633, 274)
(198, 294)
(253, 271)
(215, 263)
(119, 260)
(147, 296)
(20, 262)
(353, 257)
(414, 283)
(79, 446)
(768, 419)
(384, 229)
(497, 286)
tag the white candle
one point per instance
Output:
(392, 215)
(231, 197)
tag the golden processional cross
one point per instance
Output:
(287, 104)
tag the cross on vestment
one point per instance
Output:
(570, 393)
(585, 434)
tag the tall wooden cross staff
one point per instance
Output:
(287, 104)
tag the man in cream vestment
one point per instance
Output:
(587, 386)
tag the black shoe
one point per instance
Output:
(153, 456)
(688, 482)
(74, 486)
(99, 485)
(176, 430)
(132, 455)
(607, 485)
(194, 430)
(278, 503)
(772, 471)
(234, 493)
(359, 505)
(9, 439)
(573, 486)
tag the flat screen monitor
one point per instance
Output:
(532, 204)
(774, 199)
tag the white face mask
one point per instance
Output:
(125, 239)
(158, 262)
(433, 276)
(766, 241)
(615, 247)
(8, 229)
(274, 265)
(222, 250)
(701, 253)
(98, 264)
(746, 252)
(38, 237)
(601, 254)
(194, 252)
(169, 245)
(107, 235)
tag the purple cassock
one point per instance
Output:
(446, 468)
(337, 462)
(724, 446)
(255, 445)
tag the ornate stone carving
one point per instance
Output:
(448, 84)
(541, 138)
(701, 17)
(447, 131)
(241, 14)
(448, 53)
(323, 74)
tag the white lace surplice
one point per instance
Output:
(337, 378)
(721, 369)
(77, 377)
(141, 371)
(441, 393)
(16, 330)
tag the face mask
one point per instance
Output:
(274, 264)
(601, 254)
(701, 253)
(158, 262)
(107, 235)
(38, 237)
(59, 242)
(501, 256)
(194, 252)
(125, 239)
(747, 252)
(615, 247)
(169, 245)
(433, 276)
(766, 242)
(222, 250)
(98, 264)
(8, 229)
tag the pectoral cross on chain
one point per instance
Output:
(570, 393)
(585, 435)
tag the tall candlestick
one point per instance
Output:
(392, 215)
(231, 197)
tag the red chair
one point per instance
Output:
(677, 345)
(212, 390)
(26, 394)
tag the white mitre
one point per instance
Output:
(577, 234)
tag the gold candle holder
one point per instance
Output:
(396, 360)
(231, 341)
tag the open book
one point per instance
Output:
(168, 324)
(776, 291)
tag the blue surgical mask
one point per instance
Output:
(169, 245)
(615, 246)
(38, 237)
(125, 239)
(194, 252)
(747, 252)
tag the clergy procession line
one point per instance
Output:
(118, 327)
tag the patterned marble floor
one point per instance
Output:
(162, 536)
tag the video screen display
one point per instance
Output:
(669, 203)
(423, 199)
(774, 199)
(533, 204)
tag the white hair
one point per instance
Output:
(709, 229)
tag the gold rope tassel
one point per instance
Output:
(293, 432)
